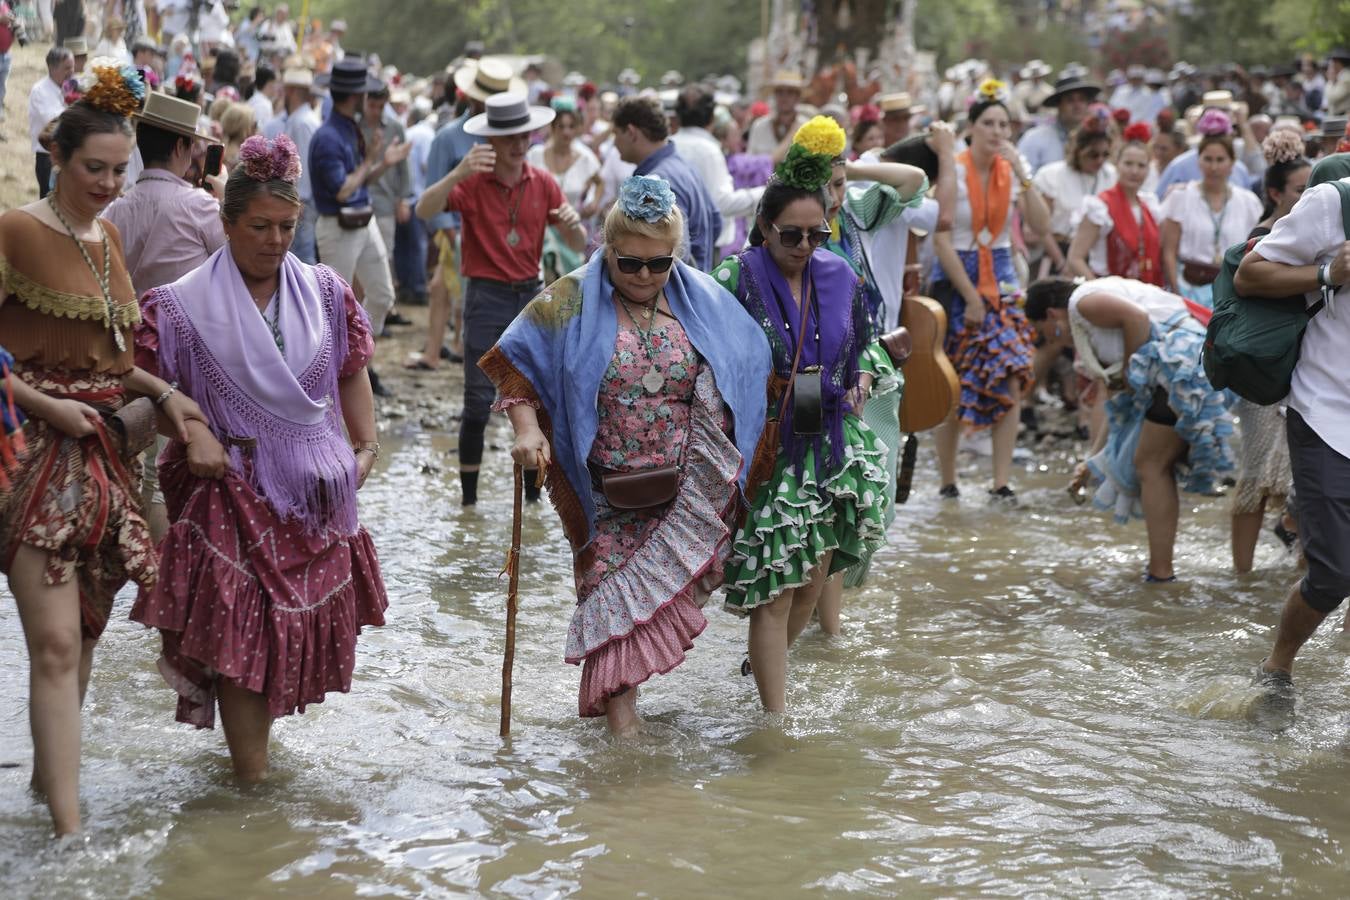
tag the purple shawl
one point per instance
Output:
(842, 335)
(214, 343)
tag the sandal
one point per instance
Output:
(1150, 578)
(418, 363)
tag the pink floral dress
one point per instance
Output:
(641, 578)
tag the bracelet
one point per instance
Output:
(1324, 275)
(371, 447)
(162, 398)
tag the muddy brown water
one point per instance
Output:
(1010, 712)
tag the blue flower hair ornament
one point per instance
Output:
(646, 198)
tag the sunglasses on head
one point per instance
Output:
(792, 236)
(631, 265)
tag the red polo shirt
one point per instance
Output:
(484, 204)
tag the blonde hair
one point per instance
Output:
(670, 228)
(237, 124)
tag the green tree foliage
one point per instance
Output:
(598, 37)
(1260, 31)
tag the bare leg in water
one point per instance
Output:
(1159, 449)
(1005, 438)
(1246, 531)
(621, 713)
(830, 604)
(769, 630)
(248, 726)
(59, 662)
(948, 441)
(807, 599)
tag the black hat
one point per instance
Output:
(349, 76)
(1340, 54)
(1070, 84)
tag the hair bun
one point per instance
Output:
(1281, 146)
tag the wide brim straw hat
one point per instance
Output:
(788, 78)
(169, 113)
(77, 46)
(1036, 68)
(508, 113)
(298, 77)
(1070, 84)
(480, 79)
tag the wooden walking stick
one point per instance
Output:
(512, 571)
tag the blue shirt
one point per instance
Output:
(1186, 167)
(703, 223)
(1043, 145)
(451, 144)
(334, 153)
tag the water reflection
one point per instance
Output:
(1008, 713)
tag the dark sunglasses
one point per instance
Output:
(791, 237)
(631, 265)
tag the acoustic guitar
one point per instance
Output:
(931, 385)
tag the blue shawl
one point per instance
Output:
(562, 344)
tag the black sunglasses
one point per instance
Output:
(631, 265)
(791, 237)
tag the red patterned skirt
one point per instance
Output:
(78, 500)
(253, 598)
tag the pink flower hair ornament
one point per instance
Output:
(270, 160)
(1214, 122)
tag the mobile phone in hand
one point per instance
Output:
(215, 156)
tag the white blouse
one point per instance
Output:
(1108, 344)
(1186, 205)
(573, 182)
(963, 237)
(1093, 209)
(1065, 188)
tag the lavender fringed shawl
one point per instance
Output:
(214, 343)
(845, 329)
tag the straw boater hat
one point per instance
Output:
(508, 113)
(298, 77)
(77, 46)
(788, 78)
(1070, 82)
(168, 113)
(1218, 99)
(895, 103)
(480, 80)
(630, 77)
(349, 76)
(1037, 68)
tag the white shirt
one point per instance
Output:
(420, 136)
(887, 252)
(46, 101)
(1066, 188)
(1312, 233)
(1093, 209)
(300, 127)
(762, 141)
(173, 16)
(704, 155)
(262, 110)
(613, 172)
(1187, 206)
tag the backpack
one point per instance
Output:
(1252, 343)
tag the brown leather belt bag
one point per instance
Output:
(636, 490)
(354, 217)
(1198, 273)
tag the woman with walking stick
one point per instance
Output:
(641, 384)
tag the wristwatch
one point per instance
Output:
(1324, 276)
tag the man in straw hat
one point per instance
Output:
(1073, 93)
(299, 119)
(506, 206)
(342, 163)
(169, 227)
(1032, 89)
(475, 81)
(897, 111)
(771, 135)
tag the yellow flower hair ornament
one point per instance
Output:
(991, 90)
(822, 135)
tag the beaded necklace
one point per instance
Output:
(103, 278)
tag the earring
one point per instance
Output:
(1058, 332)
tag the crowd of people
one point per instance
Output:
(690, 304)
